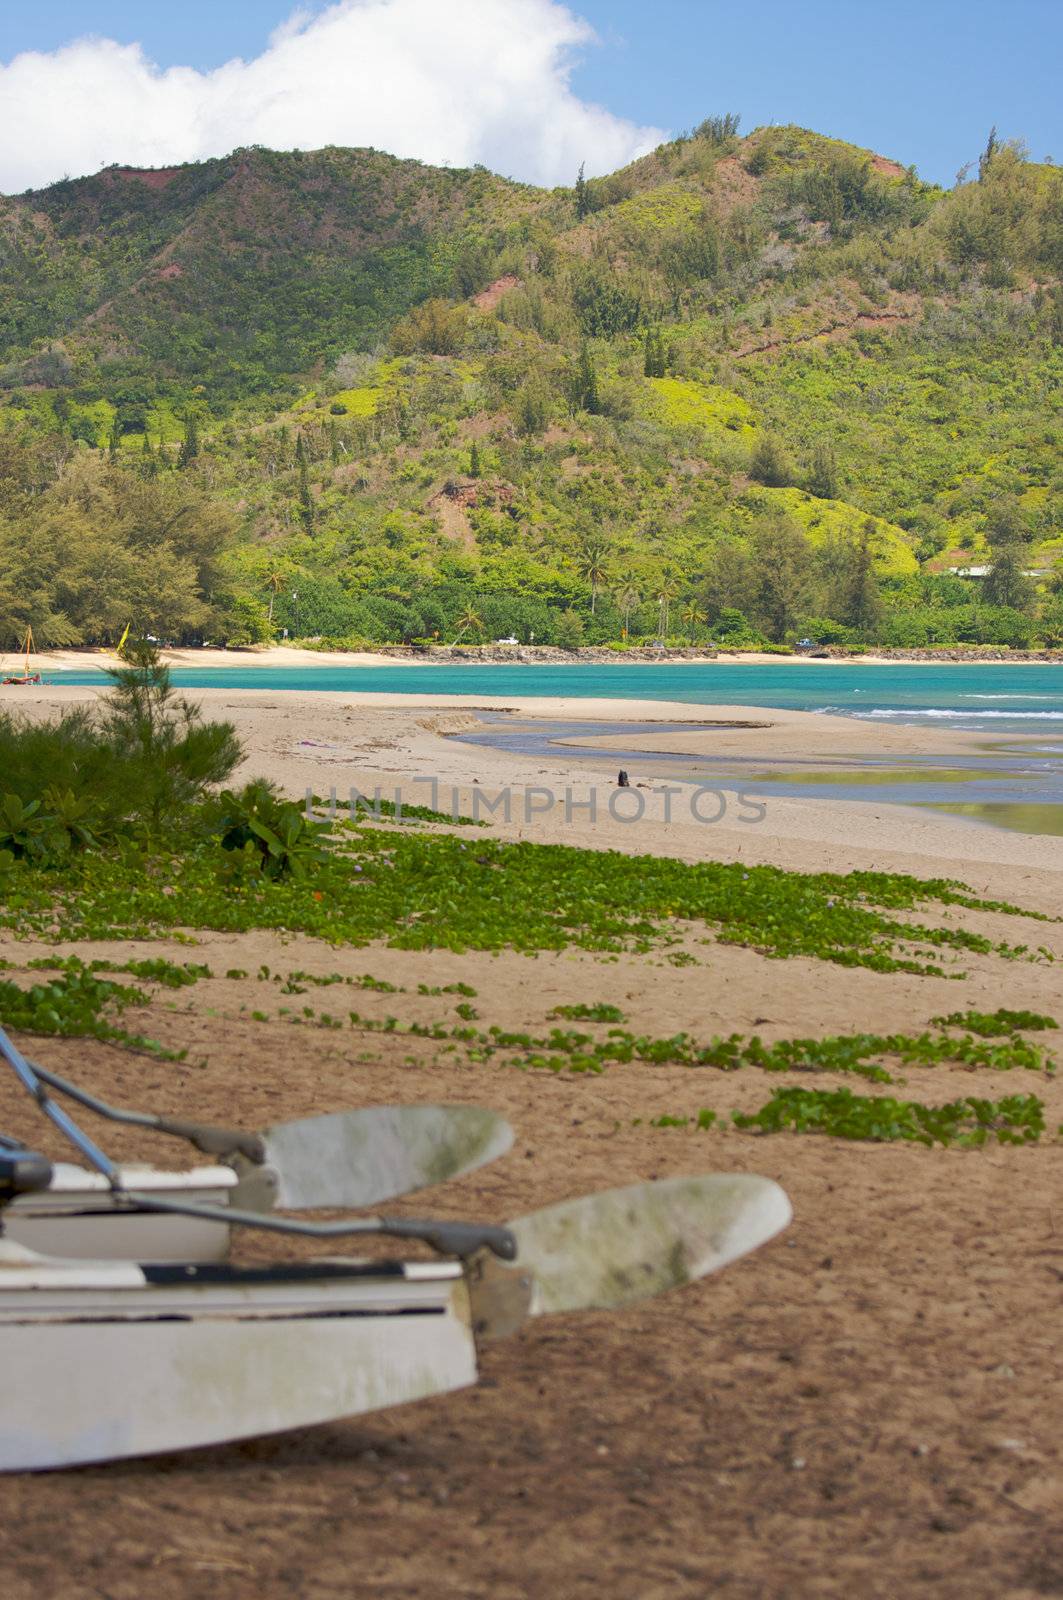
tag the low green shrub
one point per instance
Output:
(132, 767)
(265, 835)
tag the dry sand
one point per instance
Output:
(870, 1406)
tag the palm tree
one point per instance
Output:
(592, 564)
(275, 582)
(694, 617)
(666, 593)
(627, 598)
(468, 622)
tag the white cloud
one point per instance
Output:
(455, 81)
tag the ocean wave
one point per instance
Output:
(968, 716)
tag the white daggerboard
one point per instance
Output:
(608, 1249)
(357, 1158)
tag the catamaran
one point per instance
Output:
(125, 1356)
(27, 676)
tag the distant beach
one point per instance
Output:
(284, 656)
(326, 739)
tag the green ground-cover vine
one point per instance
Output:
(1015, 1119)
(991, 1024)
(154, 969)
(76, 1005)
(420, 892)
(862, 1054)
(600, 1012)
(570, 1050)
(80, 1003)
(704, 1119)
(374, 807)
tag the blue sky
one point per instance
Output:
(918, 80)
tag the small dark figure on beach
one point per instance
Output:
(623, 781)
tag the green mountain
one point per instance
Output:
(746, 387)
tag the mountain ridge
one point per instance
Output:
(428, 394)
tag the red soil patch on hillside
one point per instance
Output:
(453, 520)
(732, 184)
(557, 434)
(452, 503)
(484, 424)
(888, 169)
(172, 271)
(835, 329)
(488, 298)
(575, 467)
(473, 493)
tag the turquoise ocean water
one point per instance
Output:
(998, 783)
(990, 698)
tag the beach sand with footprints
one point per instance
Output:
(865, 1406)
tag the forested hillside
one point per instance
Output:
(746, 389)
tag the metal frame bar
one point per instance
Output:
(203, 1136)
(34, 1087)
(449, 1238)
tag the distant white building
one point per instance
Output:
(983, 572)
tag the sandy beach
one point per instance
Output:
(332, 741)
(859, 1408)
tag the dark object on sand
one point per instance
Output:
(622, 780)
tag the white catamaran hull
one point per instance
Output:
(75, 1217)
(107, 1360)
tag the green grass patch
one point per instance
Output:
(361, 402)
(823, 519)
(683, 403)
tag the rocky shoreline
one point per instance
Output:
(598, 655)
(975, 652)
(542, 654)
